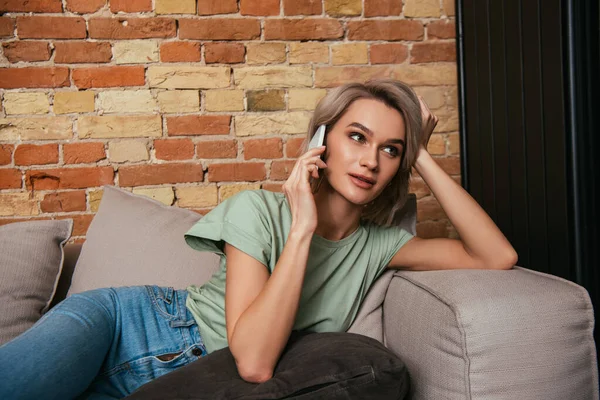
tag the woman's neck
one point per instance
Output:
(337, 217)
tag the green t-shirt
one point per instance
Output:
(338, 273)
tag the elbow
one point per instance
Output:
(254, 374)
(508, 262)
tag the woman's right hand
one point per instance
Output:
(298, 192)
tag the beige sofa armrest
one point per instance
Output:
(477, 334)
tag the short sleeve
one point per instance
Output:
(241, 221)
(388, 241)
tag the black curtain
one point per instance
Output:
(529, 110)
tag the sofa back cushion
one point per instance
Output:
(134, 240)
(31, 255)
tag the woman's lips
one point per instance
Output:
(360, 183)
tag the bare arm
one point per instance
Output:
(261, 310)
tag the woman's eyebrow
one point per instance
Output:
(370, 133)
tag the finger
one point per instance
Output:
(311, 160)
(314, 151)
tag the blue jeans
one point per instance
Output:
(101, 344)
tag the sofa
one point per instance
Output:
(462, 334)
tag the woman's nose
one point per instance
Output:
(369, 160)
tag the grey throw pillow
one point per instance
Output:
(325, 366)
(134, 240)
(31, 257)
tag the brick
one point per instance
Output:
(37, 27)
(83, 153)
(126, 101)
(443, 29)
(34, 77)
(428, 208)
(216, 149)
(130, 6)
(382, 8)
(73, 102)
(266, 100)
(184, 77)
(163, 194)
(434, 96)
(275, 123)
(303, 29)
(131, 28)
(335, 76)
(211, 7)
(237, 172)
(6, 151)
(388, 53)
(82, 52)
(224, 53)
(135, 51)
(436, 145)
(198, 125)
(294, 147)
(449, 164)
(47, 128)
(263, 148)
(36, 6)
(273, 187)
(26, 103)
(175, 6)
(85, 78)
(414, 75)
(419, 188)
(303, 53)
(158, 174)
(107, 127)
(128, 151)
(31, 154)
(452, 97)
(23, 204)
(219, 28)
(304, 99)
(178, 101)
(224, 100)
(453, 143)
(10, 178)
(26, 51)
(448, 120)
(69, 178)
(197, 196)
(180, 52)
(385, 30)
(341, 8)
(432, 229)
(272, 77)
(94, 198)
(85, 6)
(174, 149)
(7, 27)
(281, 170)
(302, 7)
(64, 202)
(227, 191)
(259, 8)
(426, 52)
(349, 53)
(449, 8)
(266, 53)
(422, 8)
(81, 223)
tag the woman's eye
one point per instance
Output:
(360, 137)
(393, 151)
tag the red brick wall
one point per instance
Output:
(189, 103)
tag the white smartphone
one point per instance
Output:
(318, 138)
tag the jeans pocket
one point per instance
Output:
(164, 301)
(152, 367)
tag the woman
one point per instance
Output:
(301, 259)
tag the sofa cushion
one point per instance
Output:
(31, 257)
(135, 240)
(313, 366)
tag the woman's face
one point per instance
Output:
(367, 141)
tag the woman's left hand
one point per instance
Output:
(429, 123)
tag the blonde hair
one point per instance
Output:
(394, 94)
